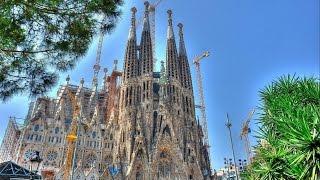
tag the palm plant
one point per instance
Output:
(290, 126)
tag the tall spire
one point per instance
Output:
(132, 32)
(170, 34)
(185, 74)
(163, 81)
(171, 54)
(182, 48)
(146, 24)
(163, 74)
(131, 56)
(146, 55)
(105, 77)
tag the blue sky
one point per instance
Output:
(251, 43)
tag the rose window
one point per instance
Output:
(52, 155)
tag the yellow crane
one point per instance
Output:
(71, 137)
(244, 135)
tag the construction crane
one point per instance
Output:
(71, 137)
(152, 21)
(202, 107)
(96, 67)
(244, 135)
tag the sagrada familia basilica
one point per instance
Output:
(141, 125)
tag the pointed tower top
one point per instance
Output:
(170, 34)
(132, 32)
(68, 79)
(146, 25)
(79, 90)
(105, 70)
(95, 82)
(163, 75)
(133, 10)
(146, 4)
(81, 81)
(182, 47)
(115, 64)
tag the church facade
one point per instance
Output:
(140, 125)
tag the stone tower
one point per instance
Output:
(142, 127)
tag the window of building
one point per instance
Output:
(36, 127)
(56, 130)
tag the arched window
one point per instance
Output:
(36, 127)
(94, 134)
(56, 130)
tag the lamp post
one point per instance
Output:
(35, 160)
(234, 159)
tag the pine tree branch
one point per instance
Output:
(29, 52)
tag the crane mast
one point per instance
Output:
(96, 66)
(202, 107)
(71, 137)
(244, 135)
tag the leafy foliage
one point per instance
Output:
(289, 133)
(41, 38)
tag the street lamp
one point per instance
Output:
(35, 160)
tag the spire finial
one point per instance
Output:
(68, 79)
(170, 29)
(146, 25)
(133, 10)
(162, 65)
(132, 31)
(170, 17)
(95, 82)
(146, 4)
(182, 48)
(163, 75)
(82, 81)
(180, 25)
(105, 70)
(115, 64)
(133, 16)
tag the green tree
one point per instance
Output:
(289, 131)
(40, 38)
